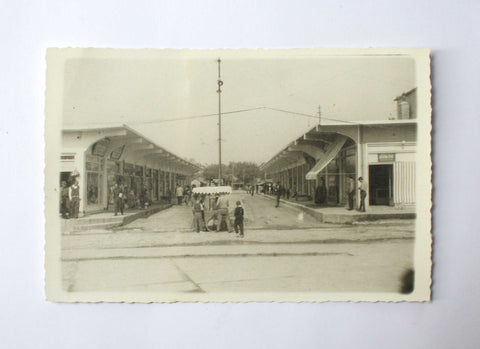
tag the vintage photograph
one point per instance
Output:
(238, 175)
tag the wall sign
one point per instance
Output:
(384, 157)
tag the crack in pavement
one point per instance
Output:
(187, 277)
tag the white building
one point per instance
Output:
(382, 152)
(102, 156)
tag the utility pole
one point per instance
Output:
(219, 91)
(319, 115)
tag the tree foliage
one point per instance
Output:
(243, 172)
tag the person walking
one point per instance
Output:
(179, 194)
(238, 223)
(279, 190)
(197, 215)
(351, 192)
(362, 186)
(222, 211)
(74, 197)
(118, 196)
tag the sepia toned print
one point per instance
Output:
(238, 175)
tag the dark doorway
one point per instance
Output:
(381, 184)
(65, 177)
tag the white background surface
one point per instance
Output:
(450, 28)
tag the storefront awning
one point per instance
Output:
(329, 155)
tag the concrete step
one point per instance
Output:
(107, 221)
(96, 226)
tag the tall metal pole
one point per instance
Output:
(319, 115)
(219, 91)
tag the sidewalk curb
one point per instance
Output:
(338, 218)
(89, 223)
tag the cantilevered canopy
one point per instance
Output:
(328, 156)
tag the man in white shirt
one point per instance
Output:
(363, 187)
(222, 211)
(179, 194)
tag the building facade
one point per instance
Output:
(324, 158)
(101, 157)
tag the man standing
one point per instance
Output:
(362, 186)
(74, 197)
(179, 194)
(222, 211)
(197, 215)
(351, 193)
(279, 190)
(64, 200)
(118, 196)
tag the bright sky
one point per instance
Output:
(141, 92)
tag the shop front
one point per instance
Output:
(101, 157)
(382, 153)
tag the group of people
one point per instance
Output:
(70, 199)
(123, 197)
(184, 195)
(219, 215)
(321, 193)
(362, 188)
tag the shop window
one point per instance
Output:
(94, 167)
(94, 181)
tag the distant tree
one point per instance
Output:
(242, 171)
(210, 172)
(245, 172)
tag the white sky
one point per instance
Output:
(134, 91)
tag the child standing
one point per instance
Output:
(238, 224)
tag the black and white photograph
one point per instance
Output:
(238, 175)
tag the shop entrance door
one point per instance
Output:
(381, 184)
(65, 177)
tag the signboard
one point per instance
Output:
(386, 157)
(100, 147)
(117, 153)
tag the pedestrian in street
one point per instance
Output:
(74, 197)
(278, 192)
(197, 215)
(238, 223)
(222, 211)
(179, 194)
(64, 200)
(351, 193)
(362, 187)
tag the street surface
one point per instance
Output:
(283, 250)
